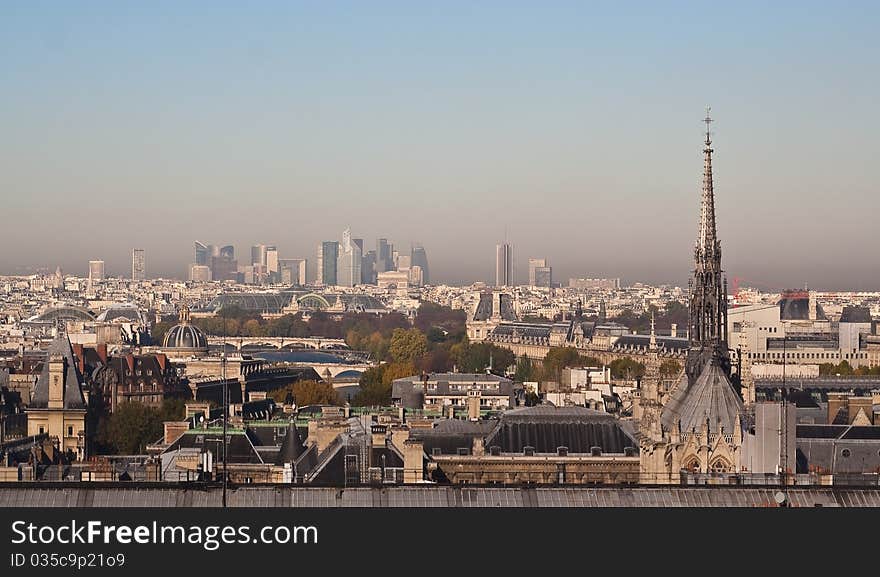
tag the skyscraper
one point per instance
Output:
(203, 253)
(96, 272)
(349, 268)
(420, 259)
(368, 267)
(384, 259)
(272, 268)
(540, 274)
(503, 265)
(138, 270)
(328, 254)
(258, 254)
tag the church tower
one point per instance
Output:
(708, 288)
(700, 428)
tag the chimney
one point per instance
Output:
(473, 404)
(413, 461)
(378, 434)
(174, 430)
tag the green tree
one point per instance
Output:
(559, 358)
(524, 370)
(307, 393)
(670, 368)
(476, 357)
(626, 368)
(408, 345)
(133, 426)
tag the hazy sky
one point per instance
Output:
(574, 126)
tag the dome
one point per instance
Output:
(185, 337)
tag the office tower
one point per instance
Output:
(203, 253)
(540, 273)
(403, 262)
(96, 270)
(138, 271)
(416, 276)
(384, 251)
(272, 263)
(503, 265)
(223, 264)
(368, 267)
(258, 254)
(328, 253)
(420, 259)
(200, 273)
(349, 268)
(292, 271)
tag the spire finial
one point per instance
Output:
(708, 121)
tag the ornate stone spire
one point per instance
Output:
(708, 304)
(708, 237)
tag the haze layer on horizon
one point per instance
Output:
(572, 128)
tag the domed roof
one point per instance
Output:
(185, 336)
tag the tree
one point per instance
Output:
(627, 369)
(308, 393)
(670, 368)
(476, 357)
(524, 370)
(559, 358)
(408, 345)
(133, 426)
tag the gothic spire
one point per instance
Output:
(707, 239)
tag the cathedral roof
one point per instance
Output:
(710, 399)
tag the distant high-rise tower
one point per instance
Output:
(96, 271)
(258, 254)
(540, 273)
(328, 254)
(272, 267)
(349, 267)
(138, 270)
(384, 255)
(203, 254)
(503, 265)
(420, 259)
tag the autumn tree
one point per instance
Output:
(408, 345)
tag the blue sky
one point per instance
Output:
(575, 125)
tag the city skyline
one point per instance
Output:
(553, 139)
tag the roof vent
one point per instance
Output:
(529, 451)
(596, 451)
(562, 451)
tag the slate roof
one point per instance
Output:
(73, 397)
(711, 398)
(854, 314)
(547, 428)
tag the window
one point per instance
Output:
(41, 430)
(845, 452)
(69, 431)
(720, 466)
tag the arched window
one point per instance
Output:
(719, 466)
(692, 465)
